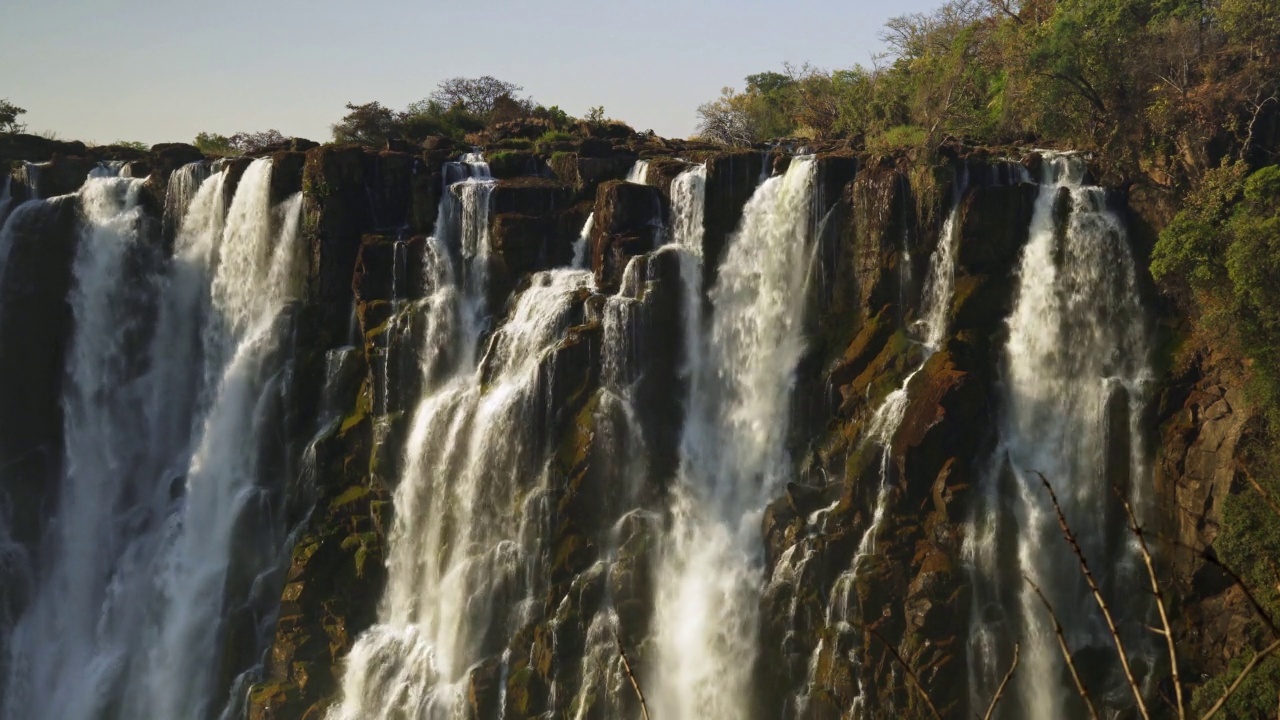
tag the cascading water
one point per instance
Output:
(161, 487)
(6, 198)
(581, 245)
(732, 457)
(929, 331)
(639, 173)
(469, 446)
(1076, 378)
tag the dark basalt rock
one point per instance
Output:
(994, 225)
(732, 177)
(529, 196)
(629, 221)
(33, 148)
(352, 190)
(286, 174)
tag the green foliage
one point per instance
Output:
(1256, 696)
(1249, 543)
(551, 136)
(1178, 85)
(1225, 246)
(595, 115)
(9, 117)
(508, 163)
(1193, 245)
(132, 145)
(900, 137)
(553, 114)
(544, 143)
(214, 145)
(457, 108)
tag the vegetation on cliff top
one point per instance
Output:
(458, 107)
(9, 117)
(1167, 86)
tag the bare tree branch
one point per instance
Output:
(1240, 678)
(1066, 651)
(626, 665)
(910, 674)
(1257, 606)
(991, 709)
(1266, 497)
(1155, 590)
(1097, 596)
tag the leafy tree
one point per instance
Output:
(482, 96)
(132, 145)
(214, 144)
(727, 120)
(9, 117)
(246, 142)
(367, 124)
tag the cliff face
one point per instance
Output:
(863, 542)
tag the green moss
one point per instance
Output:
(349, 496)
(513, 144)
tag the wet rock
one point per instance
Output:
(36, 320)
(350, 191)
(537, 197)
(522, 244)
(994, 225)
(732, 177)
(629, 221)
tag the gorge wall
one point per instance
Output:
(343, 433)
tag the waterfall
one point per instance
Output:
(184, 183)
(6, 197)
(930, 330)
(457, 550)
(688, 208)
(1076, 378)
(28, 175)
(161, 487)
(468, 504)
(581, 246)
(733, 456)
(639, 173)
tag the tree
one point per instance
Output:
(726, 120)
(367, 124)
(480, 96)
(214, 144)
(246, 142)
(9, 117)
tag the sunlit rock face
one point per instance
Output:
(343, 433)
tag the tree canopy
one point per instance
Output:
(1175, 84)
(9, 117)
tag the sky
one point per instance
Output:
(164, 70)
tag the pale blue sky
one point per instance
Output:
(163, 70)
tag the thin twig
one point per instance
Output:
(1066, 651)
(626, 665)
(1155, 589)
(1097, 596)
(991, 709)
(1240, 678)
(914, 680)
